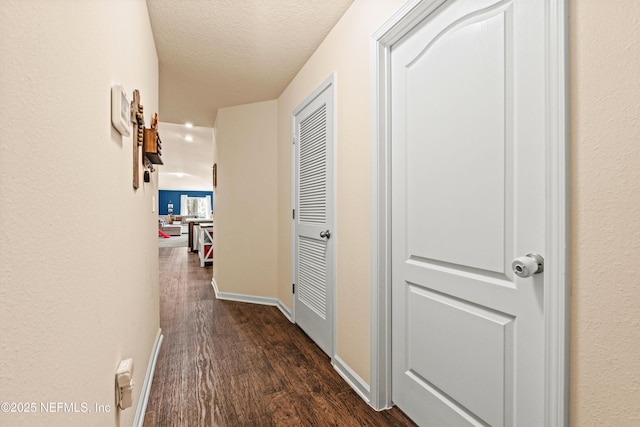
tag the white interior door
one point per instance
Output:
(313, 217)
(468, 197)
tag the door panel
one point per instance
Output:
(472, 341)
(467, 161)
(313, 254)
(462, 150)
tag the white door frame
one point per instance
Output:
(328, 84)
(556, 295)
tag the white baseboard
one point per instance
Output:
(148, 379)
(285, 310)
(230, 296)
(353, 379)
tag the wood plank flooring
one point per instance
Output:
(226, 363)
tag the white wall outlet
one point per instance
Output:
(124, 384)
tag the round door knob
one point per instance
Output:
(326, 234)
(527, 266)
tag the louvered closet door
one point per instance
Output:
(313, 143)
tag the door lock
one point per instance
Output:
(326, 234)
(527, 266)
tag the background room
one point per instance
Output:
(185, 184)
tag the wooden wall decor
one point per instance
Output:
(137, 118)
(152, 150)
(152, 147)
(145, 139)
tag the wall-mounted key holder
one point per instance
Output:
(146, 139)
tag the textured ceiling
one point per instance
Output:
(219, 53)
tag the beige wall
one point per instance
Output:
(345, 51)
(605, 212)
(78, 246)
(245, 200)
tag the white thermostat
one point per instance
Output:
(120, 110)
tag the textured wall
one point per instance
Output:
(345, 51)
(245, 234)
(78, 246)
(605, 212)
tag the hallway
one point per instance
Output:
(226, 363)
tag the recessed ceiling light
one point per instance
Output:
(179, 174)
(188, 138)
(188, 125)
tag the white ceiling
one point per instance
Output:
(219, 53)
(194, 160)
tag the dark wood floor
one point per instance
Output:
(226, 363)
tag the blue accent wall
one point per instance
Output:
(173, 196)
